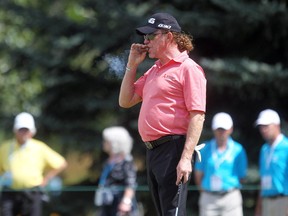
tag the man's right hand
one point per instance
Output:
(137, 55)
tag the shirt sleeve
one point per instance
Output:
(130, 174)
(194, 88)
(242, 164)
(52, 158)
(139, 85)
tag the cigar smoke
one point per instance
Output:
(117, 63)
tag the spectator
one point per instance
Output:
(273, 166)
(223, 168)
(116, 192)
(26, 166)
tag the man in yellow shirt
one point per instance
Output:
(26, 165)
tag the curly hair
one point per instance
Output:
(184, 41)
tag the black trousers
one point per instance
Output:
(24, 203)
(161, 172)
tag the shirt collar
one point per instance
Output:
(179, 59)
(277, 140)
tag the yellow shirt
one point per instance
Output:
(27, 163)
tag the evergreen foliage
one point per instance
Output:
(54, 63)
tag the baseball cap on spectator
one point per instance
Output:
(222, 120)
(267, 117)
(24, 120)
(159, 21)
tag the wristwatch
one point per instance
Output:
(126, 201)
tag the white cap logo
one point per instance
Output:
(164, 26)
(151, 20)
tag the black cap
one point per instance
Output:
(159, 21)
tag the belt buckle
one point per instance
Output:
(149, 145)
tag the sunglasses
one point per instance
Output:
(152, 36)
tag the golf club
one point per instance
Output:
(179, 197)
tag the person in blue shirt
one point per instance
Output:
(273, 166)
(222, 170)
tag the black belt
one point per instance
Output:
(220, 193)
(155, 143)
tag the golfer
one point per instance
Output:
(173, 96)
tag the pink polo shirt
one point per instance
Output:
(168, 93)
